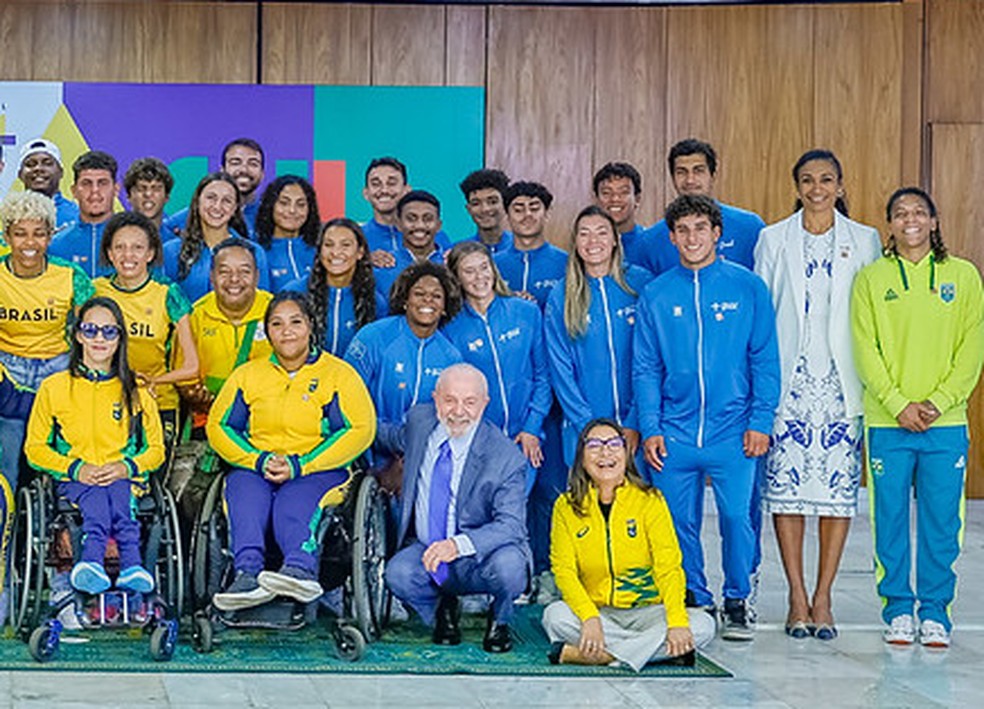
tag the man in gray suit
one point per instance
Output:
(463, 522)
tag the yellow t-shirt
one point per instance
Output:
(35, 313)
(151, 313)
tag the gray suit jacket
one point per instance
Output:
(491, 506)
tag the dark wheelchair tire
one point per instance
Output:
(162, 643)
(370, 596)
(43, 643)
(202, 635)
(350, 644)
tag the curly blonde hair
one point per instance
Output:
(20, 206)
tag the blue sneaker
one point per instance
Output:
(89, 577)
(135, 578)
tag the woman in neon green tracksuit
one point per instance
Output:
(917, 319)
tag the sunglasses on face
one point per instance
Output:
(90, 330)
(596, 444)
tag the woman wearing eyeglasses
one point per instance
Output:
(617, 564)
(99, 436)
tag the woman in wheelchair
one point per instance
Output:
(289, 426)
(99, 436)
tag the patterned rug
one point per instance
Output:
(404, 649)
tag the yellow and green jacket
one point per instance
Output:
(632, 559)
(918, 332)
(83, 419)
(222, 345)
(320, 417)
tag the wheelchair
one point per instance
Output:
(352, 543)
(46, 541)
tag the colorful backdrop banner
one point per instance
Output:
(325, 133)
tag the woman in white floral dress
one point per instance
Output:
(813, 467)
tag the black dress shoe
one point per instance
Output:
(447, 631)
(497, 637)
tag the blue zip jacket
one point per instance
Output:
(504, 243)
(66, 212)
(505, 344)
(386, 277)
(706, 363)
(592, 375)
(198, 282)
(739, 234)
(79, 244)
(289, 259)
(536, 271)
(636, 248)
(340, 315)
(399, 369)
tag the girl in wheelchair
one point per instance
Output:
(289, 426)
(99, 437)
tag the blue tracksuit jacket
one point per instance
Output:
(536, 271)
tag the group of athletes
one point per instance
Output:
(769, 360)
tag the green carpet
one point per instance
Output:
(404, 649)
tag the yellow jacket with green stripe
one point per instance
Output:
(632, 559)
(83, 419)
(320, 417)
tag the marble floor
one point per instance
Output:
(855, 670)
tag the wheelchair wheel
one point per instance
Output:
(28, 549)
(210, 555)
(370, 597)
(163, 640)
(171, 566)
(350, 645)
(44, 641)
(202, 634)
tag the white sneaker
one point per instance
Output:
(933, 634)
(901, 631)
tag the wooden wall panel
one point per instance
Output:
(465, 55)
(408, 45)
(957, 176)
(629, 89)
(741, 78)
(858, 101)
(308, 43)
(541, 102)
(956, 61)
(113, 41)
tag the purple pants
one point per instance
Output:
(294, 508)
(106, 512)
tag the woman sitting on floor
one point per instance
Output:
(617, 565)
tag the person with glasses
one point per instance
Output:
(617, 564)
(99, 436)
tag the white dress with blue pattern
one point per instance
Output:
(814, 463)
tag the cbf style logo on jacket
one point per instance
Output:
(706, 361)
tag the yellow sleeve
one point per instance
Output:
(667, 560)
(348, 426)
(563, 562)
(228, 426)
(41, 441)
(965, 365)
(144, 452)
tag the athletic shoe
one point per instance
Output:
(933, 634)
(291, 581)
(135, 578)
(901, 631)
(243, 592)
(735, 620)
(546, 589)
(89, 577)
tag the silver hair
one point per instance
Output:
(463, 368)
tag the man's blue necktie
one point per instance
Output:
(440, 501)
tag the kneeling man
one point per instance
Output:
(463, 522)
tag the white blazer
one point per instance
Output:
(779, 261)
